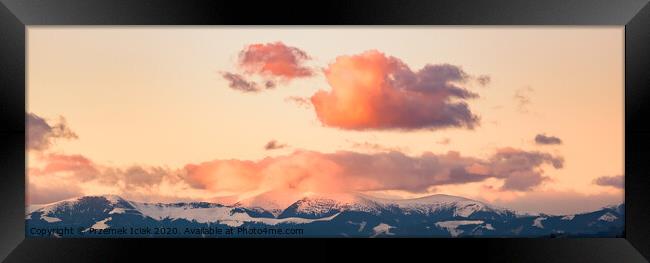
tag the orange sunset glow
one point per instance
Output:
(527, 118)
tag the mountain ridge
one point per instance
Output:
(435, 216)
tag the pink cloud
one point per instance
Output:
(375, 91)
(230, 175)
(81, 167)
(302, 171)
(275, 60)
(306, 171)
(351, 171)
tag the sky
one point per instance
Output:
(528, 118)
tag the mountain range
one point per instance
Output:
(345, 215)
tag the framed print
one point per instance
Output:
(482, 126)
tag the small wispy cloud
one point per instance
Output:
(375, 147)
(483, 80)
(274, 145)
(240, 83)
(543, 139)
(616, 181)
(522, 98)
(300, 101)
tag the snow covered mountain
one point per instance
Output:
(352, 215)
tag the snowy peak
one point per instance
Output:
(323, 205)
(272, 201)
(608, 217)
(317, 205)
(86, 206)
(459, 206)
(99, 201)
(310, 207)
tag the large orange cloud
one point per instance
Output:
(375, 91)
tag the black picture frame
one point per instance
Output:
(16, 15)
